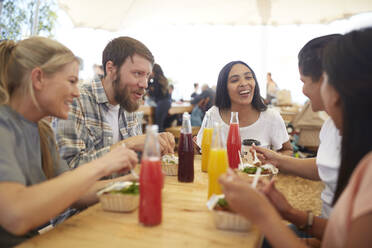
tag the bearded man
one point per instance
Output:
(104, 116)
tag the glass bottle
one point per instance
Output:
(206, 142)
(186, 151)
(234, 143)
(151, 180)
(218, 163)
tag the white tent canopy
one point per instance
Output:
(118, 14)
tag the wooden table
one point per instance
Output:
(186, 223)
(176, 108)
(180, 108)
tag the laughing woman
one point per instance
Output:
(38, 78)
(238, 91)
(346, 93)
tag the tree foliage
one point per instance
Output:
(17, 18)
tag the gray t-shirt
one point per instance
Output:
(20, 159)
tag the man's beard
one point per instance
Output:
(122, 96)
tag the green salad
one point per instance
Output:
(223, 205)
(133, 189)
(252, 170)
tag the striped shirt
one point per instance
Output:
(86, 135)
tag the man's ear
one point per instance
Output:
(111, 70)
(37, 78)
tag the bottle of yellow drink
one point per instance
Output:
(206, 142)
(217, 163)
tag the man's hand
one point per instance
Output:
(167, 143)
(137, 143)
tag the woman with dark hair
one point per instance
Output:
(325, 166)
(158, 91)
(238, 91)
(346, 93)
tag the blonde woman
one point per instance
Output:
(38, 79)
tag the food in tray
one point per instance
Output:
(253, 170)
(222, 205)
(133, 189)
(224, 217)
(266, 169)
(120, 197)
(247, 171)
(169, 164)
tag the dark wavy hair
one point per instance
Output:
(348, 64)
(222, 96)
(310, 56)
(160, 78)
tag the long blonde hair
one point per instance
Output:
(17, 60)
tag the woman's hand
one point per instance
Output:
(244, 199)
(277, 199)
(119, 159)
(267, 156)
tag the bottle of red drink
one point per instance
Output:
(234, 143)
(186, 151)
(151, 180)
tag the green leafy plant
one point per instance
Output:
(17, 18)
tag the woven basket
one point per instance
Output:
(119, 202)
(170, 169)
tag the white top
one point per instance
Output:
(112, 116)
(328, 161)
(269, 129)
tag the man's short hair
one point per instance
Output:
(119, 49)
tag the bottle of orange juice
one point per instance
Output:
(206, 142)
(217, 163)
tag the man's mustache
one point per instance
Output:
(142, 92)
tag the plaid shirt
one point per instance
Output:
(86, 135)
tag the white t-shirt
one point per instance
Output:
(112, 116)
(328, 161)
(269, 129)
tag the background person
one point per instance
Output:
(202, 103)
(159, 92)
(97, 72)
(271, 89)
(196, 90)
